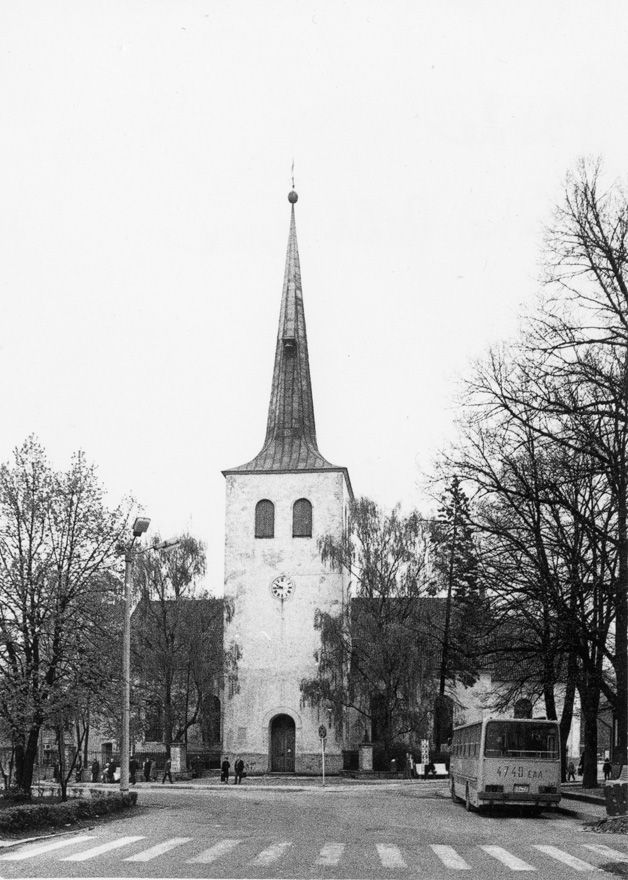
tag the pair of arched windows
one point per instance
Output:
(301, 519)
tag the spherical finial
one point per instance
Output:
(292, 197)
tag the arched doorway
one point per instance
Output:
(282, 740)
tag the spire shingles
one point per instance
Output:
(290, 443)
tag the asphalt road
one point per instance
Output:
(398, 830)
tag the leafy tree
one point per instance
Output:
(378, 656)
(178, 660)
(58, 549)
(454, 564)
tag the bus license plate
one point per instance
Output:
(522, 788)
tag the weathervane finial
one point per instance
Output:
(292, 196)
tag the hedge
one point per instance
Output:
(28, 816)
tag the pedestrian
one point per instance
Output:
(78, 766)
(607, 769)
(111, 771)
(147, 768)
(167, 772)
(95, 769)
(407, 767)
(225, 767)
(238, 769)
(580, 769)
(133, 768)
(571, 772)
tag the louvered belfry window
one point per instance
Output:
(302, 519)
(265, 519)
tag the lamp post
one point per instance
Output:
(140, 525)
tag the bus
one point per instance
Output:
(501, 761)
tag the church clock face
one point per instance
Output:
(282, 587)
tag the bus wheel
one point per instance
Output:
(467, 801)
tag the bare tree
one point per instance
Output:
(58, 545)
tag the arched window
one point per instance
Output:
(302, 519)
(265, 519)
(523, 708)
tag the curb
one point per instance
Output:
(584, 798)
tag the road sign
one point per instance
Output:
(322, 731)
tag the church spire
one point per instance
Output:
(290, 443)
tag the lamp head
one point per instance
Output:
(140, 525)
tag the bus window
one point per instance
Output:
(514, 740)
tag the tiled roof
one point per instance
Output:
(290, 443)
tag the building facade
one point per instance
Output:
(277, 507)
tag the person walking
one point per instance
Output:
(111, 771)
(95, 769)
(571, 772)
(147, 768)
(133, 768)
(408, 767)
(225, 767)
(238, 769)
(167, 771)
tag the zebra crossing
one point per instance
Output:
(389, 856)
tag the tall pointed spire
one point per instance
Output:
(290, 443)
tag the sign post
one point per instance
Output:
(322, 732)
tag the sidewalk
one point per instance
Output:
(288, 783)
(586, 803)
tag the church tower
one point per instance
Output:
(277, 507)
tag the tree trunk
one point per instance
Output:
(30, 756)
(18, 753)
(566, 717)
(590, 695)
(621, 628)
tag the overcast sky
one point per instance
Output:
(145, 161)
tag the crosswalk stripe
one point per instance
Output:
(214, 852)
(606, 851)
(157, 850)
(33, 851)
(555, 853)
(502, 855)
(450, 858)
(390, 855)
(103, 848)
(272, 853)
(330, 854)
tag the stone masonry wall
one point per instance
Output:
(277, 638)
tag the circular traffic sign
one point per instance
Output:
(322, 731)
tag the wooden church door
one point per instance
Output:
(282, 738)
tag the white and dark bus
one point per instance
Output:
(501, 761)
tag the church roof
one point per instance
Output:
(290, 443)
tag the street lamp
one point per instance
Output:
(140, 526)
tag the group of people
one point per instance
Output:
(109, 770)
(148, 769)
(238, 771)
(607, 770)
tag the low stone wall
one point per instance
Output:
(307, 764)
(53, 790)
